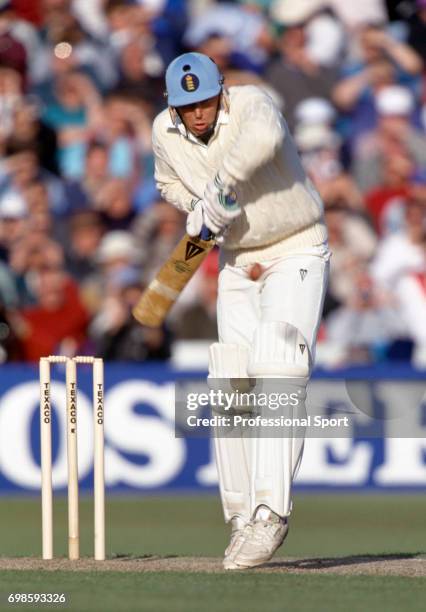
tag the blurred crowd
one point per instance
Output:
(82, 227)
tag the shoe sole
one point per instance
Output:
(230, 566)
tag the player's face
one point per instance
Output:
(200, 117)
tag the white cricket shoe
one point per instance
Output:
(238, 525)
(260, 539)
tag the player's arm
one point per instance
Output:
(261, 134)
(168, 183)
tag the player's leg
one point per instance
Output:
(238, 312)
(291, 305)
(294, 289)
(293, 293)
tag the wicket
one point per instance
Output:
(46, 455)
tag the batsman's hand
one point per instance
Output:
(220, 206)
(195, 220)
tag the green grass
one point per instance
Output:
(179, 592)
(321, 526)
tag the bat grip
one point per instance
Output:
(206, 234)
(230, 203)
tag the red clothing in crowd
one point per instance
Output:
(381, 202)
(47, 328)
(30, 11)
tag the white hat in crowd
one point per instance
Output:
(315, 110)
(293, 12)
(315, 136)
(12, 205)
(116, 245)
(325, 40)
(394, 100)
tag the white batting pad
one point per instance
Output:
(228, 360)
(276, 463)
(228, 370)
(279, 353)
(232, 454)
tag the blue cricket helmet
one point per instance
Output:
(192, 77)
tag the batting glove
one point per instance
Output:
(220, 206)
(195, 219)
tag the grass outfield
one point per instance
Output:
(321, 526)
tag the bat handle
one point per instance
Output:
(206, 234)
(230, 203)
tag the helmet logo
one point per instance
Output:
(190, 82)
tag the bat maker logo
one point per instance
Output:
(192, 250)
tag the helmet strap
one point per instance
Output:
(174, 115)
(224, 100)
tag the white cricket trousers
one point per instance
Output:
(291, 289)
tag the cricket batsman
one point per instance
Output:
(213, 145)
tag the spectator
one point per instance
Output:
(68, 41)
(13, 53)
(363, 12)
(8, 290)
(30, 12)
(96, 169)
(73, 113)
(10, 96)
(417, 29)
(13, 221)
(126, 21)
(399, 269)
(128, 135)
(141, 73)
(386, 202)
(85, 234)
(383, 61)
(353, 245)
(157, 232)
(243, 35)
(40, 215)
(57, 322)
(22, 167)
(236, 72)
(125, 339)
(362, 329)
(395, 136)
(116, 251)
(92, 17)
(296, 74)
(10, 346)
(319, 148)
(30, 130)
(114, 202)
(198, 320)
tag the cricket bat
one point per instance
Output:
(160, 295)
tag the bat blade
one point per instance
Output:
(160, 295)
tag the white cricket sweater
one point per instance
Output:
(252, 147)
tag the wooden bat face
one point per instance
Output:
(173, 276)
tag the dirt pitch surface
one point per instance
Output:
(375, 565)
